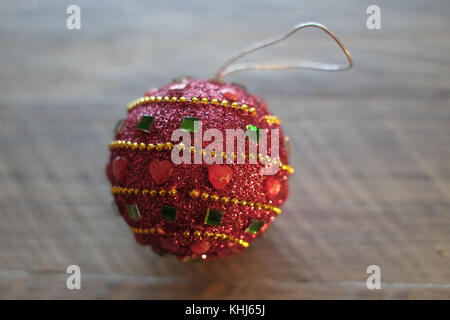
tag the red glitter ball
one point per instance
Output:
(194, 211)
(119, 168)
(160, 170)
(219, 176)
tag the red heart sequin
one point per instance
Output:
(200, 247)
(273, 187)
(109, 172)
(119, 169)
(160, 170)
(219, 176)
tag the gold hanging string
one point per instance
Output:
(230, 67)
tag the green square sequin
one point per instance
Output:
(213, 217)
(190, 124)
(255, 226)
(146, 123)
(253, 132)
(133, 211)
(168, 213)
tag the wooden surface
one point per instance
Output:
(371, 148)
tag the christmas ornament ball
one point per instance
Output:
(195, 211)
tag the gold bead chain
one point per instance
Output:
(242, 107)
(196, 234)
(122, 144)
(225, 200)
(195, 194)
(145, 192)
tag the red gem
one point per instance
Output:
(200, 247)
(109, 172)
(170, 245)
(219, 176)
(229, 94)
(160, 170)
(119, 169)
(273, 187)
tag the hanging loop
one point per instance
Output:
(230, 67)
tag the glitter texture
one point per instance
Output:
(188, 237)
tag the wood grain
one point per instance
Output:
(370, 148)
